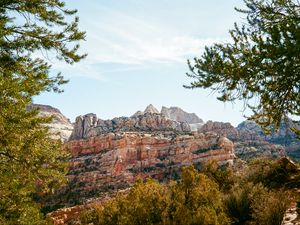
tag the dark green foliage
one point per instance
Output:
(270, 173)
(223, 176)
(30, 161)
(194, 200)
(238, 204)
(255, 204)
(261, 62)
(144, 204)
(200, 198)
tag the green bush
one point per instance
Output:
(247, 197)
(223, 176)
(268, 172)
(193, 200)
(255, 204)
(196, 199)
(238, 204)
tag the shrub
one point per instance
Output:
(193, 200)
(255, 204)
(238, 204)
(269, 207)
(223, 176)
(268, 172)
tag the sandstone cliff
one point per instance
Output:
(61, 127)
(109, 162)
(247, 143)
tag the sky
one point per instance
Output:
(137, 55)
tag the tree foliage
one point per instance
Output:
(30, 161)
(194, 200)
(197, 199)
(261, 62)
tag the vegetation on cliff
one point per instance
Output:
(258, 194)
(30, 161)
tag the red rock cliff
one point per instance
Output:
(110, 162)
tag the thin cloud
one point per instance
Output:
(125, 39)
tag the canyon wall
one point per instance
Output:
(113, 161)
(248, 143)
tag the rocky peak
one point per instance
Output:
(60, 124)
(138, 113)
(43, 108)
(151, 109)
(177, 114)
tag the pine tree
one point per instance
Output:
(260, 65)
(30, 161)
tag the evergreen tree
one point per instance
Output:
(260, 63)
(30, 161)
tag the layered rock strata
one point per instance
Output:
(248, 144)
(113, 161)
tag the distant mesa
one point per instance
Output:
(43, 108)
(89, 125)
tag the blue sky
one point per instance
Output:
(137, 52)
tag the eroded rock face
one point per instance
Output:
(248, 143)
(177, 114)
(284, 136)
(221, 128)
(60, 124)
(113, 161)
(90, 126)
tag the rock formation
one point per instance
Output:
(247, 143)
(151, 109)
(61, 127)
(221, 128)
(283, 136)
(90, 126)
(177, 114)
(109, 162)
